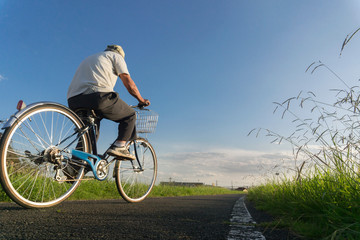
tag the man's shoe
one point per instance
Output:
(120, 153)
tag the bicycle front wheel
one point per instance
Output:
(36, 168)
(135, 179)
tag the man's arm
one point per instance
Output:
(132, 88)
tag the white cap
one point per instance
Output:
(116, 48)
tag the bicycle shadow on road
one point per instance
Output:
(10, 206)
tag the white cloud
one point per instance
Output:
(223, 166)
(2, 77)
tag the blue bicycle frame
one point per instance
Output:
(93, 160)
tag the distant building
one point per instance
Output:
(184, 184)
(241, 189)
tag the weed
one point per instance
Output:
(321, 201)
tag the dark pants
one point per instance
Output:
(108, 105)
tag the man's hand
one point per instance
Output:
(145, 103)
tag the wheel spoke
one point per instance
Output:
(135, 182)
(40, 139)
(28, 156)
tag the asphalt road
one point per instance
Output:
(195, 217)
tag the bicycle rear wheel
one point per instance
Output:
(36, 168)
(135, 179)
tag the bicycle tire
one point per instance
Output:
(133, 183)
(35, 149)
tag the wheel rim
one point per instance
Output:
(136, 183)
(32, 149)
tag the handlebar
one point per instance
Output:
(141, 105)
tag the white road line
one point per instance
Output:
(241, 223)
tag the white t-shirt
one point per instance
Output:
(97, 73)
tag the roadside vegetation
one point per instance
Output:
(96, 190)
(322, 199)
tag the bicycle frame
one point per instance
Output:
(93, 160)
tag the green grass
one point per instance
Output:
(96, 190)
(3, 196)
(321, 199)
(323, 207)
(107, 190)
(172, 191)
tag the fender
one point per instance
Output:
(14, 118)
(16, 115)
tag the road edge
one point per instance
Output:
(242, 225)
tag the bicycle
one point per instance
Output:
(46, 150)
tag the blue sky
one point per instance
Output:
(212, 69)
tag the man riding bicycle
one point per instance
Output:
(92, 87)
